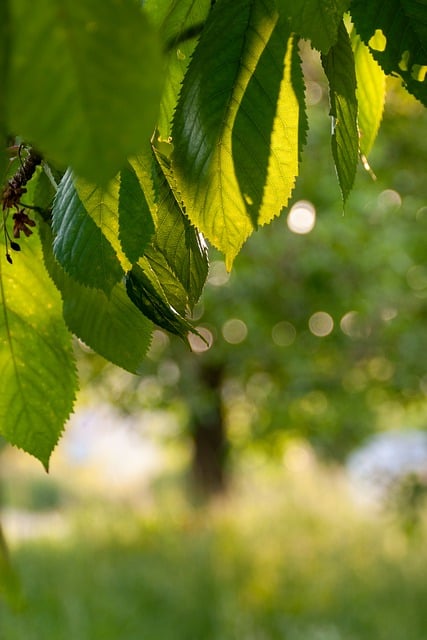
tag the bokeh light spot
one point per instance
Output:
(234, 331)
(218, 274)
(389, 199)
(302, 217)
(321, 324)
(283, 333)
(416, 277)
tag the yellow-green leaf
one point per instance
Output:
(85, 81)
(236, 128)
(370, 92)
(38, 377)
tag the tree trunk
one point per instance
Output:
(209, 439)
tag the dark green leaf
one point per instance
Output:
(85, 83)
(112, 326)
(154, 261)
(315, 20)
(136, 225)
(253, 54)
(416, 11)
(36, 361)
(146, 292)
(403, 24)
(44, 194)
(340, 71)
(80, 246)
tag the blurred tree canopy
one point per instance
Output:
(133, 134)
(315, 333)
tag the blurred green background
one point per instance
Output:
(219, 505)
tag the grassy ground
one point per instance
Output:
(288, 556)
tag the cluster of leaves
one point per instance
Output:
(158, 122)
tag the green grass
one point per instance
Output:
(287, 557)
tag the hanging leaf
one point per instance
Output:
(85, 82)
(36, 362)
(155, 262)
(176, 239)
(416, 11)
(370, 93)
(79, 245)
(136, 225)
(212, 131)
(315, 20)
(274, 164)
(147, 293)
(340, 71)
(180, 23)
(112, 326)
(403, 27)
(102, 205)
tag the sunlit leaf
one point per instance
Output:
(85, 82)
(340, 71)
(214, 123)
(80, 246)
(102, 205)
(36, 362)
(315, 20)
(370, 94)
(112, 326)
(176, 238)
(266, 172)
(136, 225)
(180, 23)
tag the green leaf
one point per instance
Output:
(180, 243)
(214, 123)
(144, 168)
(112, 326)
(155, 262)
(181, 22)
(44, 193)
(102, 205)
(340, 71)
(416, 11)
(370, 93)
(266, 135)
(80, 246)
(85, 83)
(403, 50)
(315, 20)
(147, 293)
(36, 362)
(136, 225)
